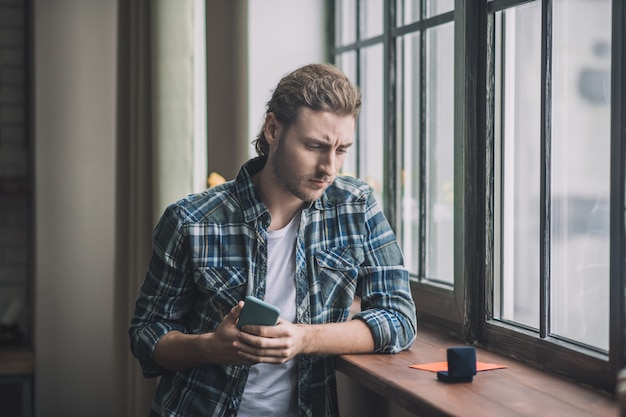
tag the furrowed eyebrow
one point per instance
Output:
(321, 142)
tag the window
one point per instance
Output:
(492, 132)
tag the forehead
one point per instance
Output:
(324, 125)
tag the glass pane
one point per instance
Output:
(371, 18)
(439, 152)
(371, 149)
(518, 146)
(347, 63)
(345, 22)
(408, 11)
(435, 7)
(409, 133)
(581, 171)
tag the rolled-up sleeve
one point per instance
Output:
(391, 319)
(386, 301)
(165, 296)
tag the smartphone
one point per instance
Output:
(258, 312)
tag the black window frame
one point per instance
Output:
(466, 308)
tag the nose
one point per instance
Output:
(328, 164)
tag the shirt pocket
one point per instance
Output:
(221, 287)
(337, 270)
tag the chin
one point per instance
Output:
(308, 197)
(315, 196)
(307, 194)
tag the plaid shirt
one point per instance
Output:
(210, 251)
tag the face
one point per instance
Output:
(306, 157)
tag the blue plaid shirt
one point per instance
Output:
(210, 251)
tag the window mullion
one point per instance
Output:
(545, 195)
(491, 262)
(390, 160)
(423, 161)
(617, 326)
(469, 176)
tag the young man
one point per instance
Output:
(287, 230)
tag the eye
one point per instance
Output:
(317, 147)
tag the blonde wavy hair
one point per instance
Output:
(321, 87)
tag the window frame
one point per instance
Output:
(466, 308)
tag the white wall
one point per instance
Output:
(282, 35)
(74, 73)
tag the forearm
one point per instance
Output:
(353, 336)
(177, 351)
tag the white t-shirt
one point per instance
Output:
(271, 389)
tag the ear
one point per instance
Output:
(271, 128)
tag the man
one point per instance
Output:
(287, 230)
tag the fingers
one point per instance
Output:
(281, 329)
(233, 314)
(278, 354)
(236, 310)
(269, 344)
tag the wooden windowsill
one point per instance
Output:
(518, 390)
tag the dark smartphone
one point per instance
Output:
(258, 312)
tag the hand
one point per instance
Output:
(177, 351)
(256, 344)
(223, 341)
(270, 344)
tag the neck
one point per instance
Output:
(281, 204)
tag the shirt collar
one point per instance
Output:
(251, 204)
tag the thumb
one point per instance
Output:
(234, 312)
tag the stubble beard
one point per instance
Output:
(286, 178)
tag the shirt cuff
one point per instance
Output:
(392, 333)
(144, 339)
